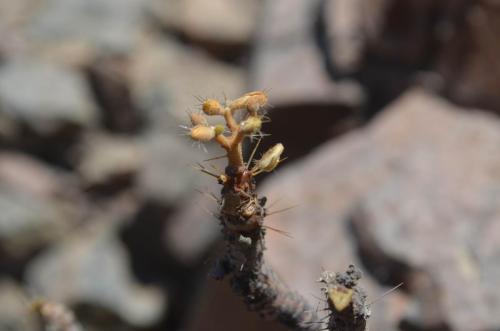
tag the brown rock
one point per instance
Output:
(468, 62)
(426, 175)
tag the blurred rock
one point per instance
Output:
(108, 25)
(14, 15)
(288, 62)
(23, 172)
(344, 31)
(46, 96)
(188, 245)
(167, 175)
(167, 77)
(90, 266)
(109, 161)
(109, 79)
(34, 210)
(403, 33)
(15, 313)
(221, 21)
(427, 177)
(468, 62)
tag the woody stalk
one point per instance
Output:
(241, 214)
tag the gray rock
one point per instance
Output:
(109, 158)
(15, 313)
(167, 77)
(109, 25)
(345, 29)
(287, 60)
(426, 176)
(225, 21)
(44, 95)
(33, 209)
(167, 175)
(192, 231)
(91, 266)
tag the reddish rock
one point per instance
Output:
(426, 175)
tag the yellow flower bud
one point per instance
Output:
(251, 125)
(270, 159)
(252, 101)
(198, 119)
(202, 133)
(256, 100)
(212, 107)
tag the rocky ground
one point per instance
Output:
(388, 111)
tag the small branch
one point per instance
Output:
(242, 213)
(259, 286)
(230, 121)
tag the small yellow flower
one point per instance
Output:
(252, 101)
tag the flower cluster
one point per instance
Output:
(231, 139)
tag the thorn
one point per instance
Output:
(204, 170)
(386, 293)
(225, 98)
(275, 202)
(207, 211)
(214, 158)
(253, 152)
(213, 166)
(281, 210)
(209, 194)
(286, 234)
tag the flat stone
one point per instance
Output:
(36, 103)
(109, 25)
(426, 175)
